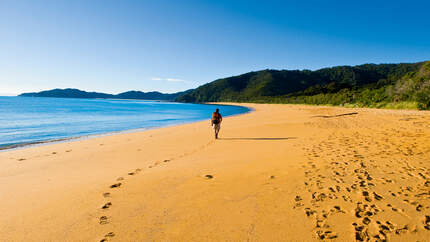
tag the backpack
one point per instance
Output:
(216, 119)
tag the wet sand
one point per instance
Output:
(280, 173)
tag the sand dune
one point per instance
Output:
(280, 173)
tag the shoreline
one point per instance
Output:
(281, 171)
(24, 145)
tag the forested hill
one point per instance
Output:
(149, 95)
(75, 93)
(363, 85)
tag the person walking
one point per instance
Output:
(216, 122)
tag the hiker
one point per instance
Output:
(216, 122)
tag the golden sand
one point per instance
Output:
(280, 173)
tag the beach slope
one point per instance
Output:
(279, 173)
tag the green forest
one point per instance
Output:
(405, 86)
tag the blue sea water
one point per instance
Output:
(27, 120)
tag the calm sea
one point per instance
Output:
(29, 120)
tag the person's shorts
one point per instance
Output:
(216, 126)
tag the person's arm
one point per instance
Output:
(220, 118)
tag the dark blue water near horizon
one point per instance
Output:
(29, 120)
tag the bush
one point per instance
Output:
(423, 99)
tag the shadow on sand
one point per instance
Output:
(334, 116)
(258, 138)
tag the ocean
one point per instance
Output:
(31, 120)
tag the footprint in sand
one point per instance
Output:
(337, 209)
(366, 196)
(360, 233)
(68, 151)
(326, 235)
(419, 207)
(22, 159)
(209, 176)
(106, 194)
(107, 205)
(309, 212)
(115, 185)
(120, 178)
(108, 235)
(366, 220)
(394, 208)
(103, 220)
(427, 222)
(298, 200)
(134, 172)
(377, 197)
(54, 153)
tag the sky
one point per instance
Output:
(115, 46)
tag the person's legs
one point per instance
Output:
(214, 126)
(217, 128)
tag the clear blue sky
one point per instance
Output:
(114, 46)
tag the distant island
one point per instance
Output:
(405, 85)
(76, 93)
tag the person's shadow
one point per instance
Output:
(334, 116)
(283, 138)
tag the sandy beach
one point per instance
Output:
(279, 173)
